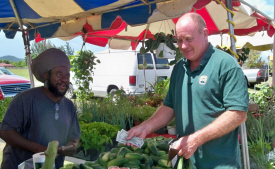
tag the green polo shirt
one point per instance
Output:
(200, 96)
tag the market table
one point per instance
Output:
(164, 135)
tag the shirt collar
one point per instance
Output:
(204, 60)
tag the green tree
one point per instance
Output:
(37, 48)
(1, 61)
(68, 50)
(6, 61)
(254, 60)
(19, 64)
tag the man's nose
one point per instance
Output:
(65, 79)
(183, 45)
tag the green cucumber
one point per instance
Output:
(76, 167)
(83, 166)
(153, 149)
(155, 159)
(117, 162)
(148, 159)
(113, 156)
(122, 152)
(164, 156)
(132, 162)
(89, 163)
(115, 150)
(163, 146)
(106, 157)
(164, 163)
(139, 150)
(161, 152)
(134, 156)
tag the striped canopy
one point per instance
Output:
(120, 23)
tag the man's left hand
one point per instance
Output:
(186, 145)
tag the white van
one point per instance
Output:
(124, 69)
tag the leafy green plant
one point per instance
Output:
(106, 110)
(169, 40)
(161, 86)
(97, 134)
(264, 97)
(82, 66)
(259, 139)
(243, 54)
(3, 106)
(140, 114)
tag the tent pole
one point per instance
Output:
(273, 75)
(245, 153)
(144, 58)
(25, 39)
(28, 55)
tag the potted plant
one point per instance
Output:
(171, 127)
(164, 45)
(142, 113)
(96, 137)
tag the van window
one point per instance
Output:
(149, 61)
(161, 63)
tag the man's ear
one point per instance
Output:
(205, 32)
(46, 76)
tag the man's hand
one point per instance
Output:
(63, 150)
(187, 146)
(138, 131)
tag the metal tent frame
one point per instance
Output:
(245, 153)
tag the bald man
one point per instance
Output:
(208, 97)
(40, 115)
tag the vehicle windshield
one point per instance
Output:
(5, 71)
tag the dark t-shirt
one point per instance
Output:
(32, 114)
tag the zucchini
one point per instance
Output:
(114, 150)
(163, 146)
(142, 166)
(153, 149)
(112, 156)
(83, 166)
(117, 162)
(155, 159)
(145, 143)
(98, 166)
(134, 156)
(164, 156)
(139, 150)
(122, 152)
(132, 162)
(161, 153)
(164, 163)
(76, 167)
(147, 151)
(106, 157)
(89, 163)
(147, 159)
(101, 162)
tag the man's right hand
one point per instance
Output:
(138, 131)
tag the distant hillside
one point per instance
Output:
(10, 58)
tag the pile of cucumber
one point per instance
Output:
(152, 155)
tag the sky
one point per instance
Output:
(15, 47)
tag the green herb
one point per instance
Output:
(97, 134)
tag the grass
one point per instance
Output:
(25, 73)
(21, 72)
